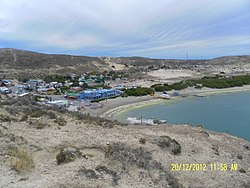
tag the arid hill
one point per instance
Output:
(19, 63)
(16, 63)
(45, 147)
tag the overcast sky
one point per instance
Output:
(149, 28)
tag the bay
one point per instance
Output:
(224, 113)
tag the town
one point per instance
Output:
(72, 92)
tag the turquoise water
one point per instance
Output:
(224, 113)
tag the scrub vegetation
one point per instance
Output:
(217, 82)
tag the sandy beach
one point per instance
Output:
(112, 107)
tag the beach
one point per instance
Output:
(112, 107)
(109, 108)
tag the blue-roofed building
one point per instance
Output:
(99, 94)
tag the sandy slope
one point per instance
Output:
(197, 148)
(113, 156)
(166, 74)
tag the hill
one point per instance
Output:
(16, 63)
(19, 63)
(45, 147)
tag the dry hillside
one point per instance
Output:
(45, 147)
(19, 63)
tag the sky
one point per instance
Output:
(149, 28)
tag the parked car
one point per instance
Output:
(4, 90)
(7, 83)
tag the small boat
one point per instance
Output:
(164, 95)
(140, 121)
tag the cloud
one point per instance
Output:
(131, 27)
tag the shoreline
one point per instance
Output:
(112, 113)
(140, 102)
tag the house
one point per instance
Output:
(120, 87)
(45, 90)
(73, 76)
(59, 103)
(19, 89)
(34, 83)
(73, 95)
(75, 89)
(99, 94)
(94, 94)
(90, 82)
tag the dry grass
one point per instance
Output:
(6, 118)
(60, 121)
(21, 160)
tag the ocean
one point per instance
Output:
(223, 113)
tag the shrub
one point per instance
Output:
(124, 95)
(105, 170)
(88, 173)
(35, 98)
(79, 116)
(215, 148)
(204, 132)
(51, 115)
(179, 85)
(167, 143)
(159, 87)
(176, 147)
(54, 78)
(24, 118)
(12, 111)
(139, 91)
(242, 170)
(22, 160)
(211, 82)
(164, 142)
(3, 127)
(60, 121)
(65, 157)
(5, 118)
(239, 157)
(108, 151)
(41, 125)
(200, 126)
(142, 140)
(37, 114)
(198, 87)
(128, 156)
